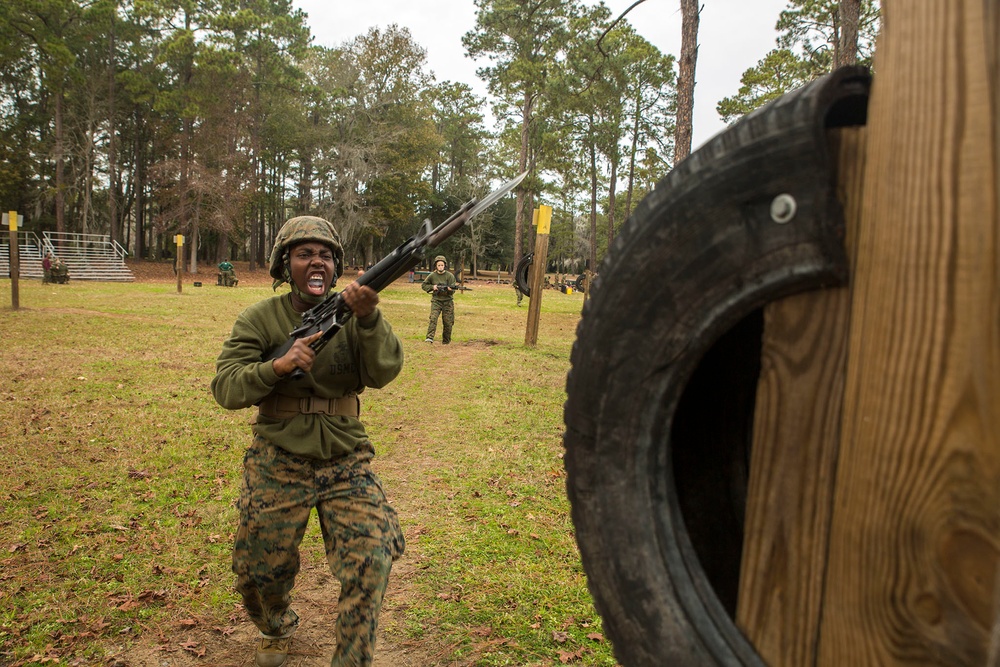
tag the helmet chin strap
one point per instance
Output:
(286, 277)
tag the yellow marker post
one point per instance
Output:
(15, 261)
(542, 219)
(179, 263)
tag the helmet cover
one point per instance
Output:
(302, 229)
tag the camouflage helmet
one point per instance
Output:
(300, 230)
(439, 258)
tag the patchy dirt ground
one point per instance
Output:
(315, 601)
(191, 642)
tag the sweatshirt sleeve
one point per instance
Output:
(428, 284)
(241, 378)
(379, 349)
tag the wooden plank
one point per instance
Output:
(915, 538)
(992, 25)
(795, 442)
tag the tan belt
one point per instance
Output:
(279, 406)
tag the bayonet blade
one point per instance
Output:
(492, 197)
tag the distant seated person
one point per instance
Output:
(227, 276)
(59, 273)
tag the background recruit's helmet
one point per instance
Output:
(298, 230)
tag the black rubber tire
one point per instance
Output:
(581, 282)
(661, 390)
(522, 274)
(651, 440)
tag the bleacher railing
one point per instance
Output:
(58, 241)
(24, 240)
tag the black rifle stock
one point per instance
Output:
(332, 313)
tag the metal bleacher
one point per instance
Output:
(87, 256)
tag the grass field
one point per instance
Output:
(120, 474)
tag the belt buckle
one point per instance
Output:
(316, 405)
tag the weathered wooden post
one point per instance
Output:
(873, 521)
(15, 261)
(543, 216)
(179, 262)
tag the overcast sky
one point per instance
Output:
(733, 35)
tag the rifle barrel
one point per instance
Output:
(391, 267)
(451, 225)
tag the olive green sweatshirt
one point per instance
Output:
(365, 353)
(434, 279)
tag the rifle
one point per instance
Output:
(330, 315)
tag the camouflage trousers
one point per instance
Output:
(360, 530)
(446, 309)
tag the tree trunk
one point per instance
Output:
(521, 190)
(593, 207)
(114, 224)
(140, 191)
(187, 131)
(849, 16)
(611, 203)
(257, 215)
(306, 172)
(88, 176)
(60, 195)
(631, 159)
(193, 242)
(182, 220)
(685, 81)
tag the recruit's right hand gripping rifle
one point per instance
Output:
(332, 313)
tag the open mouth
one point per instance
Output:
(316, 283)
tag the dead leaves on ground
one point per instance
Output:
(562, 636)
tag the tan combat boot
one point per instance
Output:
(272, 651)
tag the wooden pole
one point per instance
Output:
(796, 437)
(543, 215)
(15, 262)
(915, 537)
(884, 547)
(179, 262)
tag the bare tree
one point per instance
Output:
(847, 48)
(685, 83)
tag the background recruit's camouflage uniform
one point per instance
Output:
(298, 461)
(442, 303)
(59, 273)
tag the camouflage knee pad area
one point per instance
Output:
(361, 531)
